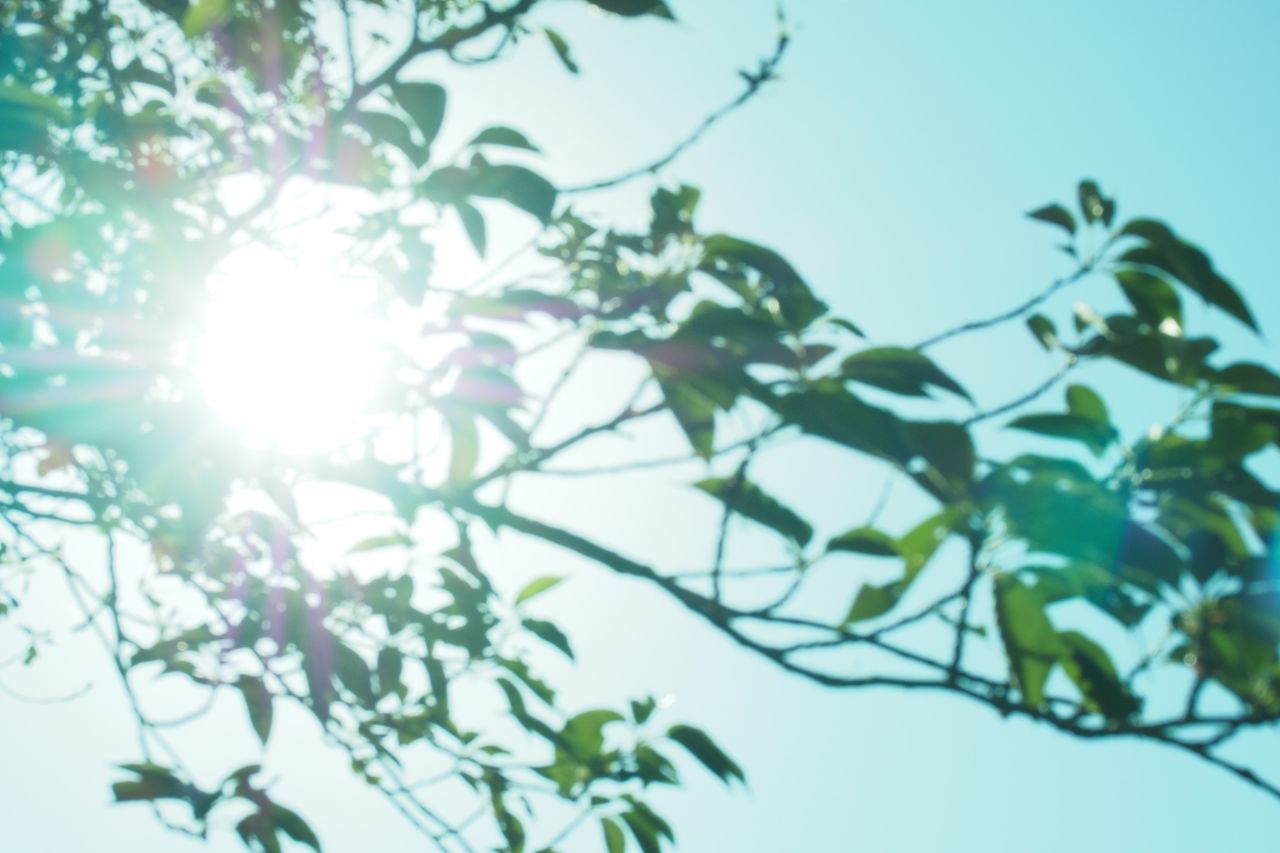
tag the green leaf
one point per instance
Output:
(537, 586)
(516, 185)
(352, 670)
(1153, 298)
(830, 411)
(1044, 330)
(505, 136)
(425, 104)
(1030, 641)
(703, 748)
(634, 8)
(561, 47)
(796, 302)
(1094, 206)
(258, 702)
(291, 824)
(865, 540)
(1055, 214)
(473, 223)
(583, 734)
(386, 128)
(521, 187)
(1167, 252)
(948, 450)
(1249, 378)
(206, 15)
(917, 546)
(749, 500)
(1084, 402)
(390, 666)
(902, 371)
(873, 600)
(645, 834)
(614, 840)
(1071, 427)
(550, 633)
(464, 443)
(375, 543)
(694, 411)
(1091, 670)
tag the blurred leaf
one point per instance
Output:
(473, 223)
(633, 8)
(387, 128)
(1055, 214)
(1152, 297)
(291, 824)
(1094, 206)
(1249, 378)
(425, 104)
(537, 586)
(902, 371)
(1044, 330)
(1089, 667)
(703, 748)
(865, 540)
(796, 303)
(504, 136)
(614, 840)
(749, 500)
(561, 47)
(550, 633)
(257, 699)
(1030, 641)
(206, 15)
(1166, 252)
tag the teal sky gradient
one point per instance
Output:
(892, 164)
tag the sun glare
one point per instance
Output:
(289, 355)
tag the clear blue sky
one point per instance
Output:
(892, 165)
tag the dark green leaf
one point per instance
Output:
(1167, 252)
(1153, 298)
(1044, 330)
(865, 540)
(796, 303)
(1072, 427)
(703, 748)
(1055, 214)
(902, 371)
(633, 8)
(550, 633)
(1094, 206)
(1088, 666)
(291, 824)
(749, 500)
(1249, 378)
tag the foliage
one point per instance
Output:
(122, 125)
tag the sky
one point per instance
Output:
(892, 164)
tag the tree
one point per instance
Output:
(127, 127)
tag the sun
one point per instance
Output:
(290, 353)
